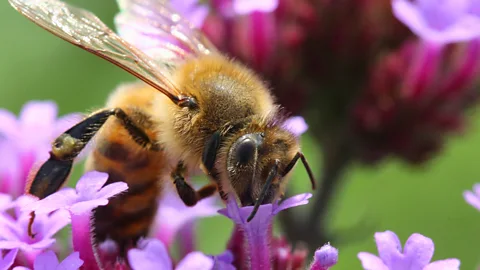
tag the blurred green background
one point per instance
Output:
(38, 65)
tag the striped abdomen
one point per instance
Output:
(129, 215)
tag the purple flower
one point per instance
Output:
(257, 232)
(13, 232)
(296, 124)
(29, 140)
(87, 195)
(474, 8)
(439, 21)
(324, 258)
(416, 255)
(7, 261)
(173, 214)
(136, 23)
(5, 202)
(48, 260)
(90, 192)
(153, 254)
(244, 7)
(473, 198)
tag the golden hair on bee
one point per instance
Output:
(195, 109)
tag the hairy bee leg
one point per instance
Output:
(54, 172)
(186, 192)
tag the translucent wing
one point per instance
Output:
(86, 31)
(160, 31)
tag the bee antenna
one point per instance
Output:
(266, 187)
(292, 163)
(309, 170)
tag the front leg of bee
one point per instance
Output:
(54, 172)
(186, 192)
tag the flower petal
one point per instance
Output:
(46, 261)
(371, 262)
(5, 201)
(8, 124)
(153, 256)
(476, 189)
(8, 260)
(36, 113)
(389, 246)
(91, 182)
(71, 262)
(56, 222)
(297, 200)
(448, 264)
(43, 244)
(195, 260)
(111, 190)
(244, 7)
(86, 206)
(60, 199)
(296, 125)
(419, 250)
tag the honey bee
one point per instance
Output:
(194, 109)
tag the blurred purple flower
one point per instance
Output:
(29, 140)
(153, 254)
(245, 7)
(257, 233)
(439, 21)
(173, 214)
(5, 202)
(48, 260)
(296, 125)
(7, 260)
(10, 169)
(324, 258)
(474, 8)
(416, 255)
(136, 23)
(473, 198)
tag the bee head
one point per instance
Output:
(258, 164)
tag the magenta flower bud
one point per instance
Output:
(414, 97)
(324, 258)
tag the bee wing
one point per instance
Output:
(85, 30)
(157, 29)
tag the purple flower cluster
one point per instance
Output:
(431, 79)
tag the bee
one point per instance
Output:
(195, 109)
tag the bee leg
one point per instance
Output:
(54, 172)
(186, 192)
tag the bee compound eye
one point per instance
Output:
(245, 151)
